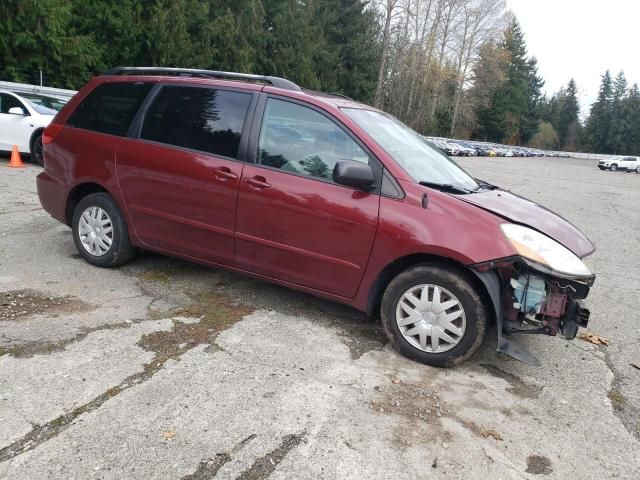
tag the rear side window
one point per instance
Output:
(110, 107)
(205, 119)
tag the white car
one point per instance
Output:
(627, 163)
(23, 118)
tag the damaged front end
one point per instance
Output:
(536, 292)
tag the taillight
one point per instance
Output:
(50, 132)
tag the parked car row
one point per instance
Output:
(469, 148)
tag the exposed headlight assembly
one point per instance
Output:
(542, 250)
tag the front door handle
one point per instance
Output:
(258, 182)
(224, 173)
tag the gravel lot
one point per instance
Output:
(168, 370)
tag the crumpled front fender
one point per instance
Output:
(491, 282)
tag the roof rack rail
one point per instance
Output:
(341, 95)
(192, 72)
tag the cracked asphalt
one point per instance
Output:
(168, 370)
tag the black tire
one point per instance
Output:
(457, 283)
(36, 151)
(613, 167)
(638, 170)
(121, 251)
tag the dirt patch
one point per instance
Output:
(263, 467)
(419, 406)
(46, 347)
(160, 279)
(208, 468)
(360, 336)
(618, 400)
(518, 387)
(538, 465)
(155, 275)
(17, 304)
(215, 313)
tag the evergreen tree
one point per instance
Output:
(348, 63)
(618, 124)
(599, 122)
(513, 113)
(531, 118)
(37, 35)
(631, 112)
(567, 121)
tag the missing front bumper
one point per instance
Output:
(574, 315)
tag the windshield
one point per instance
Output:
(422, 161)
(44, 105)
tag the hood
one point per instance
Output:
(525, 212)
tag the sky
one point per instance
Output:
(581, 39)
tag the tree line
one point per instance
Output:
(321, 44)
(455, 68)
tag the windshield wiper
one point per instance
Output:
(482, 184)
(445, 187)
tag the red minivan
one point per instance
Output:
(315, 192)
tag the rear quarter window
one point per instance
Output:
(110, 107)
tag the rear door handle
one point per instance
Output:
(224, 173)
(257, 182)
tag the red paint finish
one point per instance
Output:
(77, 157)
(448, 228)
(304, 231)
(521, 210)
(180, 200)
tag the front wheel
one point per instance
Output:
(638, 169)
(100, 231)
(613, 167)
(435, 315)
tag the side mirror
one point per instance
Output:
(353, 174)
(17, 111)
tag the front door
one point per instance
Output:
(294, 223)
(180, 178)
(15, 129)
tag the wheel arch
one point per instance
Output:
(77, 193)
(34, 135)
(390, 271)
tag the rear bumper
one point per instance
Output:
(53, 196)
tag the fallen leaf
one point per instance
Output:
(594, 338)
(492, 433)
(635, 365)
(169, 434)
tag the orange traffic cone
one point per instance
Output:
(16, 161)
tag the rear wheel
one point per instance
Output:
(613, 167)
(100, 231)
(37, 156)
(435, 315)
